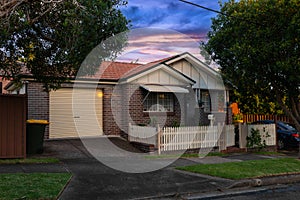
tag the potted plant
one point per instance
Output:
(238, 118)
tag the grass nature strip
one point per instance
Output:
(185, 155)
(29, 161)
(247, 169)
(32, 185)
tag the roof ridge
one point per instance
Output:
(120, 62)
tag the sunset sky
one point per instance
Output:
(162, 28)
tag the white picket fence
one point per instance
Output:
(182, 138)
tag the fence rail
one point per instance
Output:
(248, 118)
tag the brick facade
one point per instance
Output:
(122, 104)
(110, 117)
(133, 110)
(38, 103)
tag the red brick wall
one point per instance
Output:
(110, 127)
(126, 106)
(38, 103)
(138, 116)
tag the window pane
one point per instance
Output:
(150, 102)
(159, 102)
(166, 101)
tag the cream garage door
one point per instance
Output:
(84, 117)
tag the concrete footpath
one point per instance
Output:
(94, 180)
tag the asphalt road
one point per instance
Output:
(279, 192)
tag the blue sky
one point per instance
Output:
(162, 28)
(172, 14)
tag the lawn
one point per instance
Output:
(29, 161)
(247, 169)
(32, 185)
(185, 155)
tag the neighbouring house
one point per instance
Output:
(3, 83)
(179, 90)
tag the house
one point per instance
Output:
(3, 83)
(180, 90)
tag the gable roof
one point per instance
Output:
(123, 71)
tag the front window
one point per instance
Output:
(159, 102)
(205, 100)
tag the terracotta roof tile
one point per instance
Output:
(140, 69)
(110, 70)
(147, 66)
(113, 70)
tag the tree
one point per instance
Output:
(51, 38)
(257, 45)
(254, 104)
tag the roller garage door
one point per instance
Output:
(82, 119)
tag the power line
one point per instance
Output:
(203, 7)
(219, 12)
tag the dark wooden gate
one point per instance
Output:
(13, 114)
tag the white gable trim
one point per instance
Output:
(198, 64)
(164, 67)
(165, 88)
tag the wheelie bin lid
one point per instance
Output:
(37, 121)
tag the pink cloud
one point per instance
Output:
(149, 44)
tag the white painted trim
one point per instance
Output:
(165, 88)
(197, 63)
(164, 67)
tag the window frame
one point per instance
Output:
(206, 103)
(157, 102)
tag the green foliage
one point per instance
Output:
(257, 45)
(52, 39)
(238, 116)
(255, 104)
(255, 140)
(175, 123)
